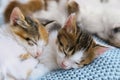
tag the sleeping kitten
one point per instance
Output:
(23, 35)
(76, 47)
(68, 48)
(34, 36)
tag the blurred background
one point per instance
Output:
(3, 4)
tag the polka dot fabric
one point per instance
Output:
(105, 67)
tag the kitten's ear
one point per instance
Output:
(15, 15)
(70, 25)
(98, 50)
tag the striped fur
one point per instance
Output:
(29, 32)
(76, 46)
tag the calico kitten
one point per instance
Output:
(28, 32)
(76, 47)
(23, 35)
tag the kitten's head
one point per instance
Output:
(75, 47)
(28, 32)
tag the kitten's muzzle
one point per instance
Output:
(37, 55)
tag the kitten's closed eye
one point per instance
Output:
(30, 41)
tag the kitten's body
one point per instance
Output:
(10, 61)
(23, 35)
(101, 18)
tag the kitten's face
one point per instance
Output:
(28, 32)
(75, 47)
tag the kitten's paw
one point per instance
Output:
(34, 75)
(38, 72)
(24, 56)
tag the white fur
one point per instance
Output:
(69, 62)
(100, 18)
(10, 63)
(94, 16)
(55, 12)
(47, 59)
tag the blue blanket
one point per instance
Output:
(105, 67)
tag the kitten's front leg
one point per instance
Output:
(39, 71)
(24, 56)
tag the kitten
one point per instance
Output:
(76, 47)
(34, 36)
(23, 35)
(69, 47)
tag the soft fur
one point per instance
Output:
(100, 17)
(21, 42)
(76, 47)
(27, 35)
(59, 54)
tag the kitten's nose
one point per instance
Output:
(63, 65)
(37, 54)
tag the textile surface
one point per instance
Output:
(105, 67)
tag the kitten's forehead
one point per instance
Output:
(76, 41)
(66, 37)
(31, 22)
(32, 29)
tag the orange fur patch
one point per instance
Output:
(28, 8)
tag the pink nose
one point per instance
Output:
(63, 65)
(37, 54)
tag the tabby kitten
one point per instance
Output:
(76, 47)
